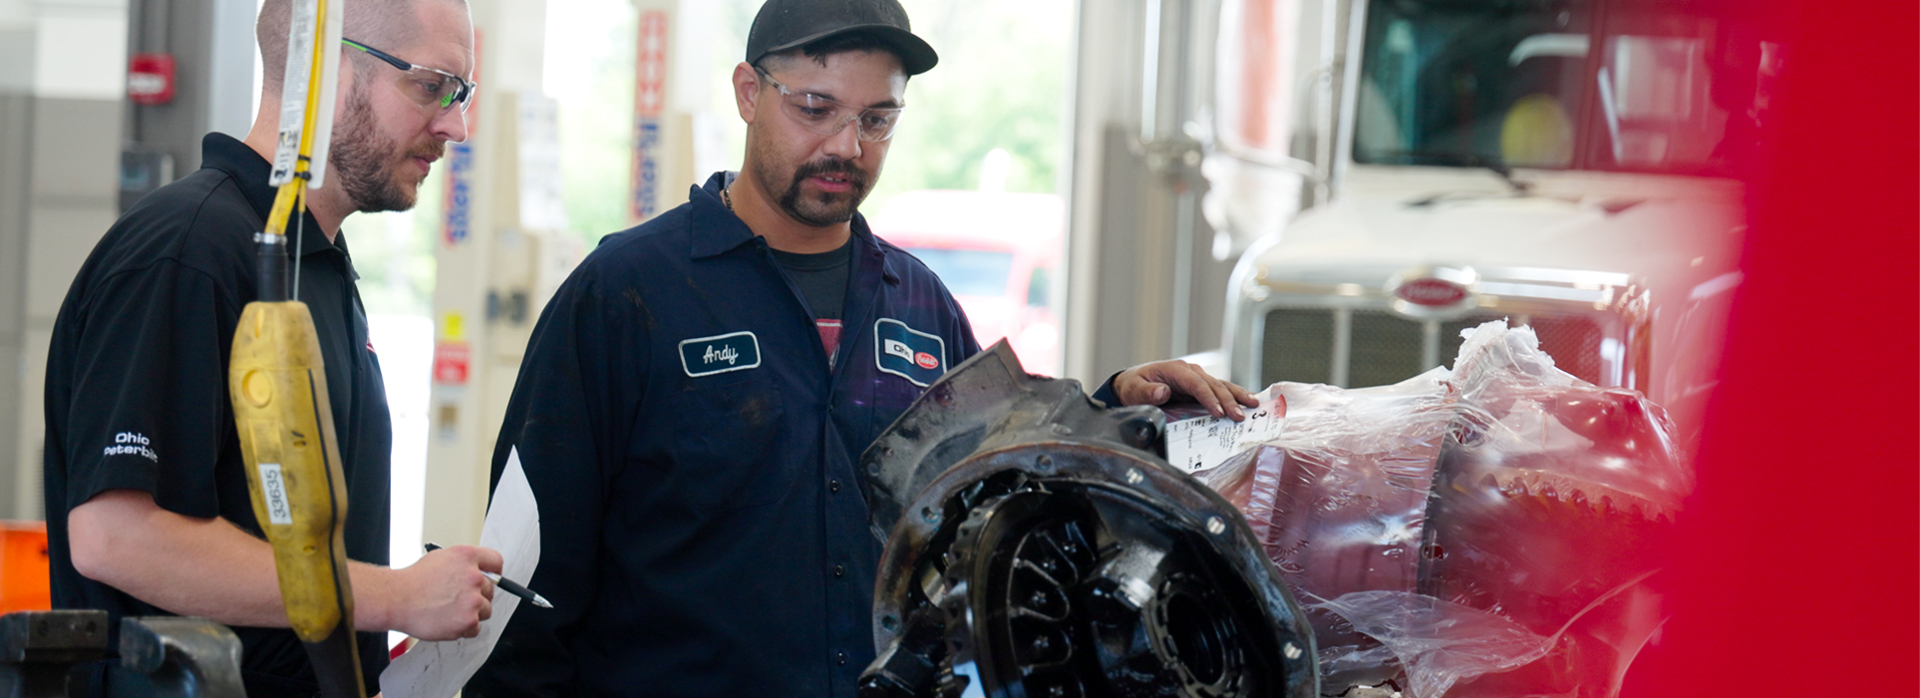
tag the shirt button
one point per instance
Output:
(839, 570)
(833, 486)
(840, 658)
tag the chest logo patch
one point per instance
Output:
(908, 353)
(706, 356)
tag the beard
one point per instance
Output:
(822, 209)
(364, 159)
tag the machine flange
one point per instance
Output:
(1053, 553)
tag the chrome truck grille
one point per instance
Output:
(1327, 330)
(1305, 345)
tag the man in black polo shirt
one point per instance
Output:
(147, 504)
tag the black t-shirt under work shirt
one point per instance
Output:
(137, 392)
(822, 278)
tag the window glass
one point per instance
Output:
(968, 272)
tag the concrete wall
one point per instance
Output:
(60, 121)
(70, 203)
(16, 159)
(63, 123)
(59, 152)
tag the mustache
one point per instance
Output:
(432, 151)
(853, 173)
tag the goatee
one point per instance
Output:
(830, 209)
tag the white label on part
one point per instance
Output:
(304, 25)
(279, 511)
(1203, 443)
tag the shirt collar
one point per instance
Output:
(871, 245)
(250, 172)
(719, 230)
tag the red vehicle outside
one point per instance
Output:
(997, 253)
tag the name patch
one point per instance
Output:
(908, 353)
(706, 356)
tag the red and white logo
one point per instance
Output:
(1431, 292)
(926, 360)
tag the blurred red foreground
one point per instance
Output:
(1796, 573)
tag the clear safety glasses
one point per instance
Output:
(827, 117)
(430, 87)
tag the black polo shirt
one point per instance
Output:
(137, 386)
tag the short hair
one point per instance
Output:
(388, 25)
(849, 42)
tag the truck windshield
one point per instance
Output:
(1635, 85)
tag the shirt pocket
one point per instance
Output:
(728, 448)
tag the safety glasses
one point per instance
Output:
(430, 87)
(827, 117)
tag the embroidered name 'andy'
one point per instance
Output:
(727, 354)
(706, 356)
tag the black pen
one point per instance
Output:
(511, 586)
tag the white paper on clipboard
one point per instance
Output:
(441, 669)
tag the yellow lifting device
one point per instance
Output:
(278, 383)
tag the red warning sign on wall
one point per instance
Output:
(452, 362)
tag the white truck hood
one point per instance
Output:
(1393, 218)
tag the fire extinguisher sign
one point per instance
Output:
(150, 78)
(649, 100)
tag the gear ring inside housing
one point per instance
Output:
(1057, 559)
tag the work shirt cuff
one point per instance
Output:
(1104, 395)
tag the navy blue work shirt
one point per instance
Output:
(702, 530)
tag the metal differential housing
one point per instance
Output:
(1041, 546)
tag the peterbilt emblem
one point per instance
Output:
(1431, 292)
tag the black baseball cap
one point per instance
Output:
(783, 25)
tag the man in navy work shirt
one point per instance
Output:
(695, 396)
(147, 505)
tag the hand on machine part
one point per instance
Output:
(445, 594)
(1162, 381)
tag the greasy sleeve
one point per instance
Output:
(570, 418)
(147, 409)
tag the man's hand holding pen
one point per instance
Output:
(444, 595)
(512, 587)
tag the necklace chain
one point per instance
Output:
(726, 197)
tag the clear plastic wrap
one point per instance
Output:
(1485, 530)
